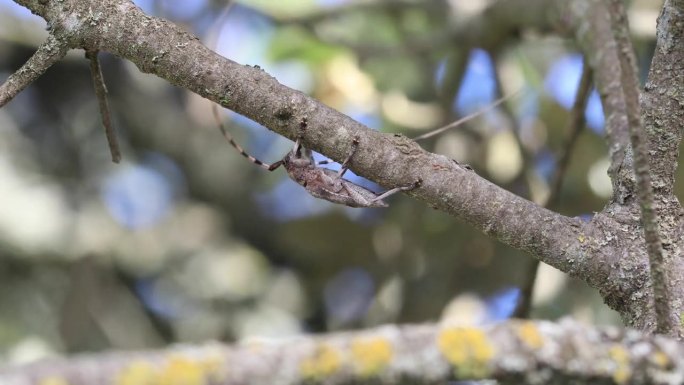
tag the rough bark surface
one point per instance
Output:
(512, 353)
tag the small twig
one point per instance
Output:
(649, 218)
(48, 53)
(467, 117)
(575, 125)
(455, 65)
(101, 92)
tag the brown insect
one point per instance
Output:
(320, 182)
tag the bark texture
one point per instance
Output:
(512, 353)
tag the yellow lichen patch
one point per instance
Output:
(323, 363)
(371, 355)
(661, 360)
(213, 366)
(620, 356)
(468, 349)
(529, 335)
(53, 380)
(182, 371)
(138, 373)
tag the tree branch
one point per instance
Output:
(159, 47)
(48, 53)
(512, 353)
(589, 21)
(630, 86)
(573, 129)
(592, 251)
(575, 125)
(662, 111)
(663, 115)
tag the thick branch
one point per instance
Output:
(515, 352)
(159, 47)
(48, 53)
(663, 97)
(630, 86)
(663, 119)
(663, 115)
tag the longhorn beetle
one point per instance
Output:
(320, 182)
